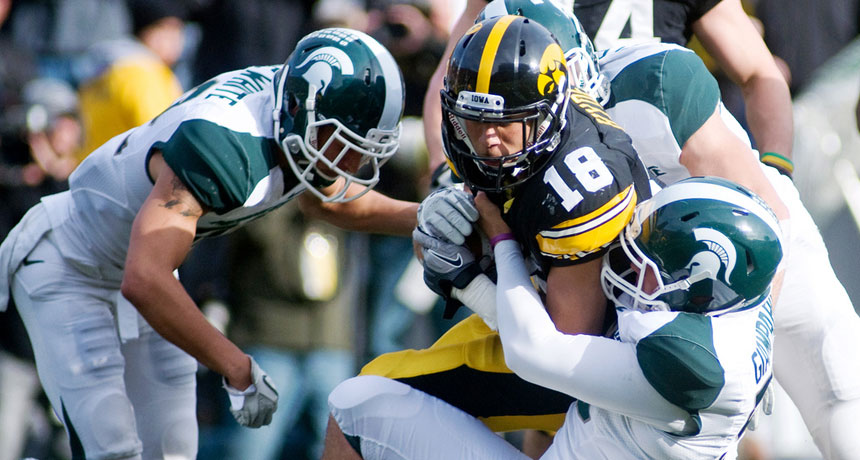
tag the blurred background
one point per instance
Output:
(316, 303)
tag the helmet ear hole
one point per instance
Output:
(750, 262)
(466, 39)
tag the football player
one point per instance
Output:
(115, 334)
(667, 101)
(681, 377)
(567, 179)
(721, 26)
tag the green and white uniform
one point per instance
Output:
(97, 358)
(671, 384)
(707, 366)
(218, 140)
(661, 94)
(243, 144)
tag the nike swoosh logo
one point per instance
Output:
(454, 262)
(31, 262)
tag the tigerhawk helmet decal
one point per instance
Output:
(551, 76)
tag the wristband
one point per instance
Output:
(499, 238)
(779, 162)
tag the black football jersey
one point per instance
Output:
(610, 22)
(578, 204)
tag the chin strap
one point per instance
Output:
(310, 108)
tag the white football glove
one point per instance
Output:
(254, 406)
(448, 213)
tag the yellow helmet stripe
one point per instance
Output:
(489, 54)
(576, 238)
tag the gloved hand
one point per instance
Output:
(254, 406)
(446, 265)
(448, 213)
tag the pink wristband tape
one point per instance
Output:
(499, 238)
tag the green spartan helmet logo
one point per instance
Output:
(320, 66)
(721, 252)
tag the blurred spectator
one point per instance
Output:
(293, 298)
(39, 136)
(127, 82)
(60, 31)
(38, 139)
(414, 41)
(238, 34)
(17, 65)
(54, 131)
(18, 381)
(340, 13)
(395, 294)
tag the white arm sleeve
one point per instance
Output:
(480, 297)
(597, 370)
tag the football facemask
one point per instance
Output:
(345, 80)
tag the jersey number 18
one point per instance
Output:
(589, 170)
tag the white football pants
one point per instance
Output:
(117, 400)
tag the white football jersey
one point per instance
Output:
(661, 95)
(710, 366)
(218, 140)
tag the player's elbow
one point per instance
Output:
(521, 360)
(136, 283)
(516, 362)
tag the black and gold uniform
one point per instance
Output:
(565, 203)
(558, 216)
